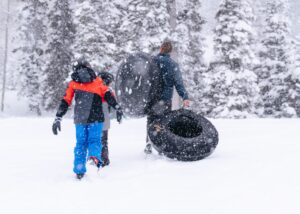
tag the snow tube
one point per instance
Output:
(183, 135)
(132, 83)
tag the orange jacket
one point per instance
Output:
(88, 101)
(96, 87)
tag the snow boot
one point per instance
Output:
(80, 176)
(104, 153)
(148, 149)
(94, 161)
(106, 162)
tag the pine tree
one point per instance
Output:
(147, 26)
(296, 51)
(274, 74)
(62, 35)
(294, 76)
(134, 27)
(190, 41)
(114, 17)
(33, 34)
(158, 26)
(229, 86)
(97, 23)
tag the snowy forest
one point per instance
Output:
(246, 65)
(227, 153)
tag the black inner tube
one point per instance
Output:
(186, 127)
(133, 83)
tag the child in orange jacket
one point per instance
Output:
(88, 90)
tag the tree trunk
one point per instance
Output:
(5, 58)
(171, 6)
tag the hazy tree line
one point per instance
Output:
(255, 70)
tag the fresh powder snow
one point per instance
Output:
(255, 169)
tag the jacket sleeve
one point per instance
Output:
(66, 101)
(108, 95)
(179, 83)
(111, 100)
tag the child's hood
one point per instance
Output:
(83, 75)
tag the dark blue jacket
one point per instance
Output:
(171, 77)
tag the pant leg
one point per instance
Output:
(105, 146)
(150, 119)
(94, 140)
(80, 150)
(166, 107)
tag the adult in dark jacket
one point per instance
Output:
(166, 76)
(89, 91)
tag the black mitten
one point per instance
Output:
(56, 125)
(119, 113)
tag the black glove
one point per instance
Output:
(119, 113)
(56, 125)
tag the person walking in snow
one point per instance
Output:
(107, 80)
(89, 91)
(164, 77)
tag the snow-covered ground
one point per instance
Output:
(255, 169)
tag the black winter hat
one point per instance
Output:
(106, 77)
(83, 75)
(81, 63)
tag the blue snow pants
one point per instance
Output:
(88, 140)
